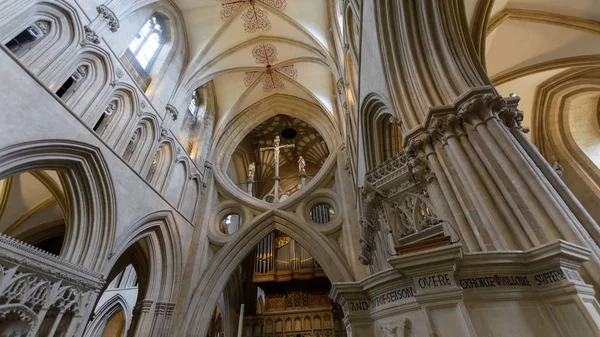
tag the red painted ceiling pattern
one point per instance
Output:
(255, 18)
(266, 54)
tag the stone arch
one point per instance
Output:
(138, 148)
(228, 138)
(105, 312)
(88, 189)
(352, 29)
(191, 195)
(176, 181)
(42, 224)
(157, 249)
(126, 110)
(96, 71)
(161, 164)
(62, 35)
(565, 130)
(378, 124)
(225, 262)
(168, 61)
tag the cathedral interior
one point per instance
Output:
(299, 168)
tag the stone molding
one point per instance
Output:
(549, 270)
(28, 256)
(172, 111)
(108, 16)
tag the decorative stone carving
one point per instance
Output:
(556, 166)
(367, 233)
(43, 25)
(164, 133)
(415, 214)
(172, 111)
(143, 104)
(90, 36)
(119, 73)
(109, 17)
(111, 108)
(80, 73)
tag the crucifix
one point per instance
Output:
(276, 147)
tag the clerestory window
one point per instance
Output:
(147, 43)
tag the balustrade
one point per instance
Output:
(41, 294)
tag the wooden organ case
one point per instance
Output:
(293, 293)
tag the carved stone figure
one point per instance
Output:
(301, 165)
(251, 171)
(556, 166)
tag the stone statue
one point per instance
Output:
(556, 166)
(301, 165)
(251, 170)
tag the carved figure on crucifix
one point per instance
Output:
(276, 149)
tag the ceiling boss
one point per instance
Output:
(255, 18)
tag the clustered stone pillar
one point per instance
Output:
(497, 196)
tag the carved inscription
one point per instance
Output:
(392, 297)
(494, 281)
(550, 277)
(359, 306)
(435, 281)
(572, 275)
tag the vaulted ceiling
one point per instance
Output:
(527, 42)
(253, 49)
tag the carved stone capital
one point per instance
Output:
(481, 108)
(109, 17)
(172, 111)
(90, 36)
(164, 133)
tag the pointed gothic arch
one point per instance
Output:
(88, 189)
(233, 253)
(161, 253)
(160, 164)
(106, 312)
(381, 131)
(137, 149)
(124, 108)
(92, 71)
(60, 32)
(564, 122)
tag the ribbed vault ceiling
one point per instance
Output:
(527, 42)
(253, 49)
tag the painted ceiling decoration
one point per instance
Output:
(255, 18)
(272, 79)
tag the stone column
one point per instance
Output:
(490, 176)
(145, 319)
(499, 198)
(57, 320)
(436, 291)
(356, 305)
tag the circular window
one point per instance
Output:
(289, 133)
(230, 223)
(322, 213)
